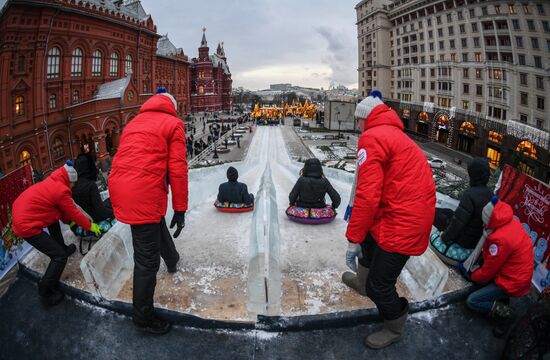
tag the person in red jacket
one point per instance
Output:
(507, 264)
(392, 215)
(151, 153)
(43, 205)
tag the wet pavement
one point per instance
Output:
(76, 330)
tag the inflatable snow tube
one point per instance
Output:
(86, 235)
(311, 216)
(451, 254)
(233, 208)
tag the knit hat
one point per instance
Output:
(365, 107)
(232, 174)
(161, 90)
(488, 210)
(73, 176)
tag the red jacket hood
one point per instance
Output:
(159, 103)
(383, 115)
(502, 215)
(60, 175)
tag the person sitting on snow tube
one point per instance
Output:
(233, 194)
(307, 198)
(462, 229)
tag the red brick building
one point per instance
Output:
(73, 73)
(211, 83)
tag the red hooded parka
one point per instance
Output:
(45, 203)
(152, 146)
(507, 254)
(395, 195)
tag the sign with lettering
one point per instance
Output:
(530, 200)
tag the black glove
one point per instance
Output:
(178, 219)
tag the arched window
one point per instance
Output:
(19, 105)
(113, 67)
(129, 64)
(76, 62)
(24, 158)
(54, 56)
(200, 90)
(97, 60)
(423, 116)
(527, 148)
(58, 148)
(495, 137)
(76, 96)
(53, 101)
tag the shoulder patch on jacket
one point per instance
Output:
(493, 249)
(361, 157)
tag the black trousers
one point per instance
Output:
(52, 245)
(151, 241)
(384, 269)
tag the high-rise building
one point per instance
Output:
(471, 74)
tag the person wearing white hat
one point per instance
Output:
(393, 211)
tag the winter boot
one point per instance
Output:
(392, 331)
(49, 297)
(174, 268)
(504, 316)
(357, 282)
(154, 325)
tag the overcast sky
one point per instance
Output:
(304, 42)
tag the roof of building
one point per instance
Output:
(166, 48)
(217, 60)
(112, 90)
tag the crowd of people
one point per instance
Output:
(391, 215)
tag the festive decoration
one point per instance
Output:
(524, 131)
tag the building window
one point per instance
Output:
(452, 43)
(53, 102)
(479, 90)
(540, 123)
(476, 42)
(465, 73)
(538, 61)
(76, 62)
(515, 24)
(129, 64)
(97, 60)
(449, 18)
(523, 118)
(465, 105)
(76, 96)
(479, 74)
(535, 43)
(423, 85)
(523, 79)
(19, 105)
(531, 25)
(540, 103)
(453, 57)
(440, 32)
(465, 57)
(540, 82)
(524, 98)
(519, 41)
(479, 107)
(472, 12)
(451, 30)
(464, 43)
(58, 149)
(526, 8)
(521, 59)
(423, 72)
(484, 11)
(432, 85)
(438, 20)
(511, 9)
(478, 57)
(113, 66)
(54, 56)
(540, 9)
(466, 88)
(497, 9)
(21, 64)
(474, 27)
(24, 158)
(546, 26)
(459, 15)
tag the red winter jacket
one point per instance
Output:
(152, 146)
(507, 254)
(395, 195)
(45, 203)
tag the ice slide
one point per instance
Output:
(234, 266)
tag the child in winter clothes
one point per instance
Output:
(312, 186)
(234, 192)
(507, 263)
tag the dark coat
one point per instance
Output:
(233, 191)
(311, 188)
(466, 226)
(86, 193)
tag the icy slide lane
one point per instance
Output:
(235, 266)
